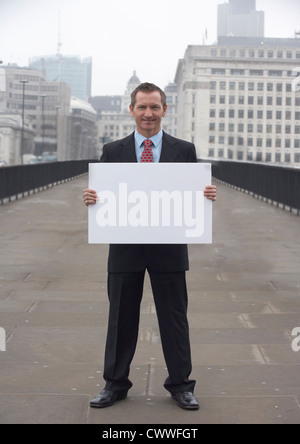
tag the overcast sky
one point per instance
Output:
(123, 35)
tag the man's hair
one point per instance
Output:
(148, 88)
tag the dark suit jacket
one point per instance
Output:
(160, 257)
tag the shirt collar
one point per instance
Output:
(154, 139)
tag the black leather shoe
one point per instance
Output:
(186, 400)
(107, 398)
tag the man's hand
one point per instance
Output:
(210, 192)
(89, 196)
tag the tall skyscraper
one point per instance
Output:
(72, 70)
(239, 18)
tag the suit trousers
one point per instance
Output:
(125, 292)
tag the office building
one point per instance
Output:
(240, 18)
(237, 100)
(73, 70)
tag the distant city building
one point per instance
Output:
(44, 104)
(114, 119)
(73, 70)
(237, 100)
(81, 132)
(240, 18)
(62, 127)
(11, 139)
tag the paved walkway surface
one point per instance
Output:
(244, 302)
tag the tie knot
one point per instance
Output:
(147, 143)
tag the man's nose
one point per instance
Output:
(148, 112)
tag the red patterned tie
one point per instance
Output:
(147, 154)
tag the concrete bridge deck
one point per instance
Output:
(244, 293)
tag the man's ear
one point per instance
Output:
(131, 110)
(165, 110)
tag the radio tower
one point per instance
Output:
(58, 52)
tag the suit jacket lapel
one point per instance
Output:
(127, 153)
(169, 150)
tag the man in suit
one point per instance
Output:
(166, 265)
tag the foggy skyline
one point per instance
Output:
(123, 36)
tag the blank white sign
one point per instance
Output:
(150, 203)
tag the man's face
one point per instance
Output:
(148, 112)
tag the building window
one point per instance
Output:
(218, 71)
(260, 100)
(256, 72)
(237, 72)
(287, 158)
(275, 73)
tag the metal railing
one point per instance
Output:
(278, 184)
(19, 180)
